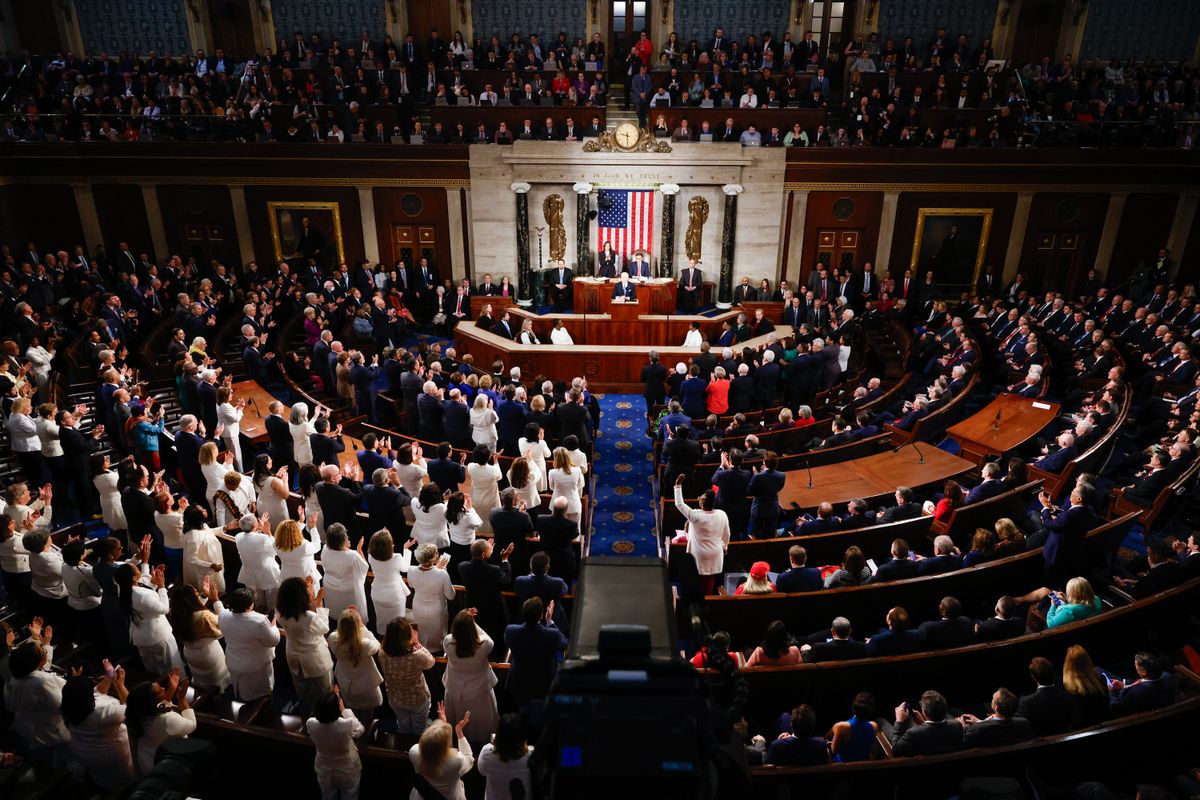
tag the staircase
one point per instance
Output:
(614, 115)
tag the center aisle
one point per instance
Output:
(623, 518)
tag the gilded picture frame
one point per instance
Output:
(286, 218)
(933, 233)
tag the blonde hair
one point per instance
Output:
(1006, 529)
(288, 535)
(755, 585)
(538, 403)
(481, 401)
(485, 381)
(785, 415)
(208, 453)
(427, 554)
(21, 406)
(349, 631)
(434, 748)
(233, 479)
(1080, 592)
(562, 460)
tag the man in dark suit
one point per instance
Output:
(899, 567)
(257, 363)
(905, 508)
(764, 488)
(824, 522)
(1164, 572)
(839, 647)
(339, 494)
(1055, 461)
(798, 578)
(574, 419)
(733, 489)
(741, 391)
(1049, 707)
(1153, 689)
(624, 290)
(280, 448)
(533, 650)
(206, 391)
(444, 470)
(77, 448)
(505, 327)
(1003, 727)
(989, 487)
(931, 733)
(1065, 532)
(558, 534)
(513, 416)
(325, 444)
(386, 500)
(511, 525)
(895, 639)
(766, 381)
(1006, 623)
(429, 411)
(945, 558)
(691, 287)
(137, 500)
(654, 382)
(954, 629)
(456, 419)
(1150, 481)
(482, 581)
(562, 286)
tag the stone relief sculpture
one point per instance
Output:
(552, 210)
(697, 216)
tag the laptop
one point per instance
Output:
(503, 103)
(440, 101)
(589, 66)
(706, 137)
(368, 63)
(416, 140)
(706, 103)
(357, 137)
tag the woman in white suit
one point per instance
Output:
(147, 607)
(301, 429)
(250, 640)
(256, 550)
(304, 622)
(533, 446)
(296, 545)
(469, 677)
(229, 414)
(357, 674)
(213, 465)
(432, 593)
(104, 478)
(707, 532)
(202, 557)
(333, 729)
(345, 572)
(389, 592)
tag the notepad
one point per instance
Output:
(1042, 406)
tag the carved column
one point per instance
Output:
(666, 256)
(583, 230)
(524, 277)
(725, 283)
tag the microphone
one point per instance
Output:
(804, 461)
(996, 421)
(913, 445)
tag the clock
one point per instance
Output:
(627, 135)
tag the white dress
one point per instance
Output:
(708, 535)
(432, 592)
(693, 339)
(171, 725)
(358, 684)
(345, 577)
(560, 336)
(500, 774)
(205, 657)
(101, 744)
(469, 683)
(110, 500)
(337, 763)
(150, 632)
(537, 452)
(485, 490)
(299, 562)
(579, 459)
(202, 549)
(389, 592)
(429, 527)
(463, 531)
(260, 570)
(269, 501)
(171, 525)
(250, 641)
(449, 781)
(412, 476)
(568, 485)
(214, 479)
(307, 650)
(230, 416)
(301, 446)
(483, 427)
(529, 492)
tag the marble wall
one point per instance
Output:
(699, 169)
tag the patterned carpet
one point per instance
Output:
(623, 520)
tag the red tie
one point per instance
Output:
(458, 308)
(906, 287)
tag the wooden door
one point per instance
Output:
(424, 16)
(410, 243)
(626, 20)
(1038, 26)
(832, 24)
(232, 27)
(37, 29)
(838, 249)
(1059, 253)
(206, 242)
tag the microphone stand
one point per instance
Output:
(914, 446)
(996, 421)
(809, 468)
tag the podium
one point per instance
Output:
(594, 296)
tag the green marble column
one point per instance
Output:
(728, 240)
(524, 275)
(666, 253)
(583, 230)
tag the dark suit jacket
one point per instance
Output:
(1144, 696)
(1048, 710)
(257, 365)
(654, 378)
(429, 413)
(937, 565)
(456, 419)
(573, 421)
(483, 581)
(511, 526)
(325, 448)
(835, 650)
(897, 513)
(1165, 576)
(557, 535)
(446, 473)
(533, 655)
(931, 738)
(385, 509)
(895, 570)
(893, 643)
(799, 579)
(940, 633)
(339, 503)
(994, 629)
(281, 440)
(997, 732)
(1064, 539)
(984, 491)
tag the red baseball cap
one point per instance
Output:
(759, 569)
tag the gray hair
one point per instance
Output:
(299, 413)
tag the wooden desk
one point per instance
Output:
(1020, 418)
(594, 296)
(498, 304)
(871, 477)
(492, 116)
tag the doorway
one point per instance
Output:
(232, 26)
(423, 17)
(411, 243)
(626, 22)
(37, 29)
(832, 24)
(838, 249)
(1059, 253)
(1038, 26)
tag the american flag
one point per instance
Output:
(628, 221)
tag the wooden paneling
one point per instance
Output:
(1145, 225)
(45, 214)
(1053, 214)
(122, 212)
(839, 212)
(910, 203)
(199, 222)
(414, 209)
(260, 223)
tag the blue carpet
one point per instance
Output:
(623, 519)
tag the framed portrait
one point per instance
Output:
(303, 230)
(952, 242)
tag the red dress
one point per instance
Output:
(718, 396)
